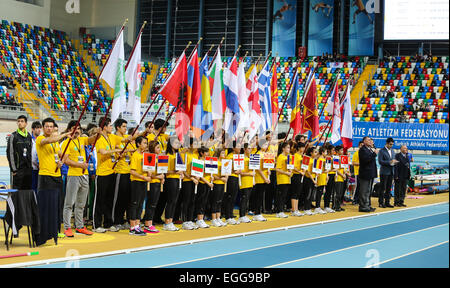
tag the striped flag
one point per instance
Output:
(253, 101)
(211, 165)
(290, 162)
(202, 117)
(231, 96)
(274, 96)
(317, 166)
(218, 102)
(194, 89)
(336, 162)
(197, 167)
(133, 78)
(347, 125)
(254, 162)
(180, 164)
(328, 162)
(163, 164)
(265, 97)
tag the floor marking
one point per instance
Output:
(407, 254)
(355, 246)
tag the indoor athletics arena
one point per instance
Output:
(224, 134)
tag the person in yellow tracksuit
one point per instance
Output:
(341, 175)
(246, 186)
(262, 181)
(322, 179)
(188, 188)
(218, 190)
(283, 180)
(297, 195)
(232, 187)
(205, 185)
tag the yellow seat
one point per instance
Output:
(421, 120)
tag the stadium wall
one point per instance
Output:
(25, 13)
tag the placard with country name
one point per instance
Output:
(149, 162)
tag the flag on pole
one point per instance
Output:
(253, 102)
(295, 102)
(336, 122)
(114, 75)
(244, 117)
(133, 78)
(194, 89)
(218, 102)
(264, 97)
(310, 117)
(330, 102)
(274, 96)
(230, 81)
(202, 116)
(347, 126)
(174, 90)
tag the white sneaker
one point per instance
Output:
(202, 224)
(187, 226)
(329, 210)
(99, 230)
(296, 213)
(193, 225)
(319, 211)
(309, 212)
(231, 221)
(259, 218)
(223, 223)
(216, 223)
(113, 229)
(170, 227)
(281, 215)
(244, 219)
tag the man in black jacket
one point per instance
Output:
(18, 152)
(402, 173)
(367, 172)
(386, 159)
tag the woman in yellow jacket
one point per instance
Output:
(246, 185)
(309, 181)
(218, 191)
(283, 180)
(232, 187)
(204, 186)
(139, 180)
(154, 191)
(188, 188)
(262, 181)
(322, 180)
(297, 181)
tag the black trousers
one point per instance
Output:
(319, 193)
(282, 191)
(152, 201)
(329, 191)
(384, 195)
(308, 190)
(230, 196)
(243, 207)
(188, 196)
(258, 194)
(400, 191)
(48, 198)
(103, 202)
(269, 195)
(172, 191)
(296, 186)
(201, 198)
(23, 180)
(121, 198)
(356, 194)
(216, 197)
(340, 187)
(137, 196)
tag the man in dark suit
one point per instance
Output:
(386, 159)
(402, 173)
(367, 172)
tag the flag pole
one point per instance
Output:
(91, 94)
(215, 54)
(146, 112)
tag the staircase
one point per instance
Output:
(361, 85)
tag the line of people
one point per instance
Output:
(111, 187)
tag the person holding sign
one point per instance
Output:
(154, 192)
(219, 181)
(341, 174)
(246, 186)
(283, 180)
(309, 181)
(329, 189)
(232, 186)
(203, 189)
(322, 179)
(262, 180)
(77, 181)
(297, 180)
(187, 190)
(139, 179)
(171, 185)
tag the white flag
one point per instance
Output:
(133, 78)
(114, 75)
(244, 119)
(347, 125)
(217, 88)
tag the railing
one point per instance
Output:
(11, 112)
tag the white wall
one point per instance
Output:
(25, 13)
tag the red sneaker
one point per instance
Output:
(84, 231)
(68, 233)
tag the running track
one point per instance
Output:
(411, 238)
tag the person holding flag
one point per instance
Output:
(283, 179)
(230, 79)
(218, 102)
(265, 98)
(341, 175)
(246, 185)
(218, 190)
